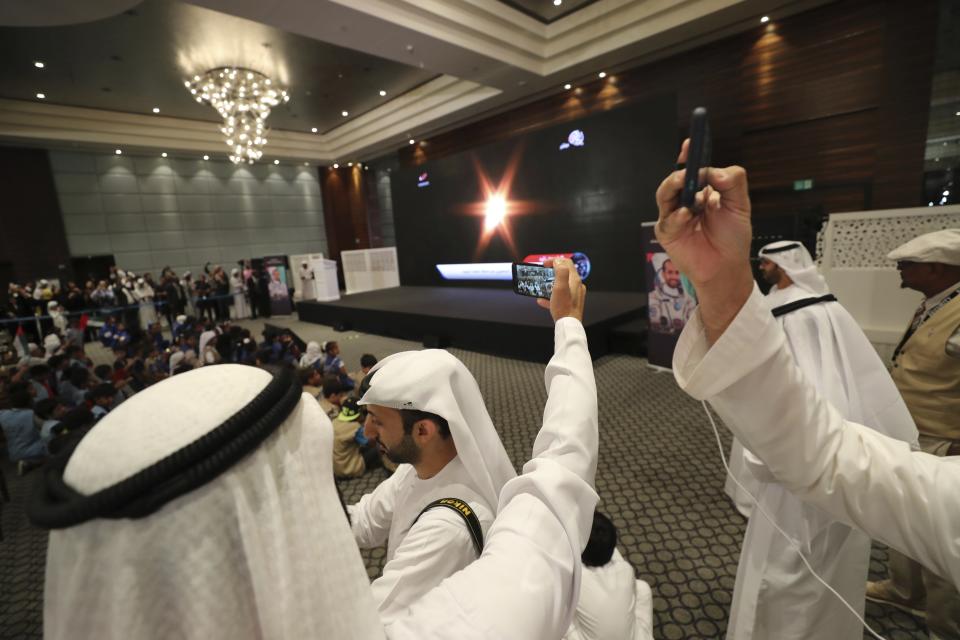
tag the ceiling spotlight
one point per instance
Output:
(382, 93)
(602, 75)
(568, 86)
(41, 96)
(557, 3)
(306, 164)
(958, 113)
(38, 64)
(156, 109)
(344, 113)
(336, 166)
(366, 168)
(313, 129)
(118, 151)
(765, 19)
(412, 140)
(349, 164)
(206, 157)
(163, 155)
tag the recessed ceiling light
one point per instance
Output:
(382, 93)
(349, 164)
(557, 3)
(765, 19)
(118, 151)
(306, 164)
(412, 140)
(336, 166)
(344, 114)
(156, 109)
(41, 96)
(958, 113)
(163, 155)
(38, 64)
(313, 129)
(568, 86)
(602, 75)
(206, 157)
(366, 168)
(276, 162)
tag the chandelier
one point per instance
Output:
(243, 98)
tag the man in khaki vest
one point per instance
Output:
(926, 370)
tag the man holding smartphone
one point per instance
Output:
(734, 355)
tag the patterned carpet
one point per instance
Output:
(659, 479)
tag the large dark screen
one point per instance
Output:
(590, 198)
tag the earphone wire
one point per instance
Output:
(769, 518)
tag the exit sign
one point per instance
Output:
(802, 185)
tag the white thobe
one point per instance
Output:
(147, 312)
(775, 595)
(418, 557)
(739, 470)
(613, 605)
(907, 500)
(525, 584)
(240, 310)
(308, 284)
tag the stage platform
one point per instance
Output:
(493, 321)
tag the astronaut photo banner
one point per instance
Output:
(670, 300)
(276, 267)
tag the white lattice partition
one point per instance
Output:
(370, 269)
(853, 258)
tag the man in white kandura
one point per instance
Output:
(734, 354)
(775, 594)
(308, 282)
(242, 533)
(426, 413)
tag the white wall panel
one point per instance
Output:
(152, 212)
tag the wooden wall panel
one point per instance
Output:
(32, 237)
(839, 94)
(344, 209)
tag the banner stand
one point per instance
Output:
(671, 300)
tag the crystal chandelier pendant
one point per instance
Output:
(243, 98)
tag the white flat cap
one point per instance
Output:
(938, 246)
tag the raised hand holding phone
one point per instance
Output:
(569, 292)
(712, 249)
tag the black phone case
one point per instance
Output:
(697, 156)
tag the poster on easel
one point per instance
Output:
(671, 300)
(276, 267)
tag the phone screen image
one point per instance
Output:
(533, 280)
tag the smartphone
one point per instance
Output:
(698, 159)
(532, 280)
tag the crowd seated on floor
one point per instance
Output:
(49, 391)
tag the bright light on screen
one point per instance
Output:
(494, 211)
